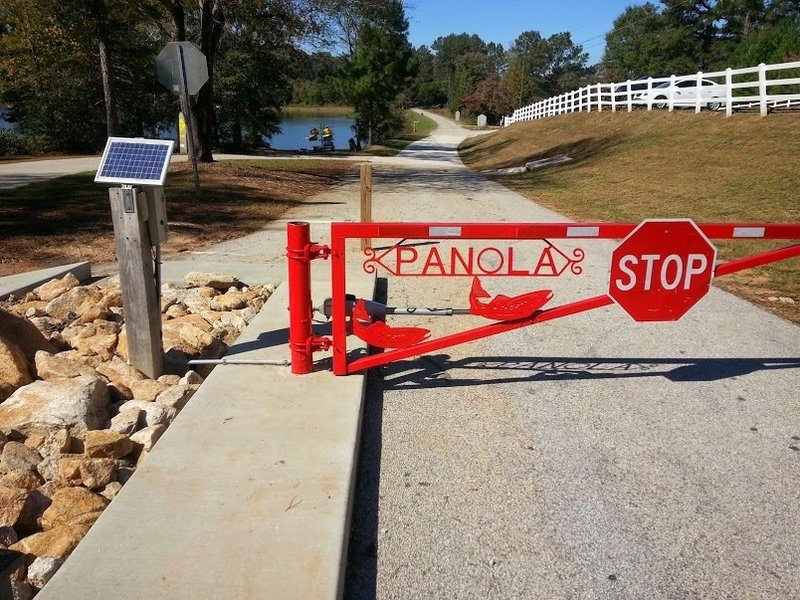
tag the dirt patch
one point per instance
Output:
(69, 219)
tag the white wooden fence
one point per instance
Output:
(762, 87)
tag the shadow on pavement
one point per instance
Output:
(361, 575)
(442, 371)
(462, 181)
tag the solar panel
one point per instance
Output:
(134, 161)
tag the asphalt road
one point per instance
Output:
(589, 457)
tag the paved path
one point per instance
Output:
(18, 174)
(590, 457)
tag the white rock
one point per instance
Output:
(78, 404)
(215, 280)
(148, 436)
(55, 287)
(177, 396)
(42, 569)
(111, 490)
(169, 379)
(154, 413)
(127, 421)
(191, 378)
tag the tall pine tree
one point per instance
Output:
(378, 70)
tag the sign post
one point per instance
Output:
(138, 209)
(661, 270)
(183, 70)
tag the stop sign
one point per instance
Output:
(181, 54)
(661, 270)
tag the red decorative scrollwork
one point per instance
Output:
(405, 260)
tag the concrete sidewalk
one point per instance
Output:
(24, 282)
(247, 495)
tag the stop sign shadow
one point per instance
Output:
(662, 269)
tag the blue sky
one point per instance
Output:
(503, 20)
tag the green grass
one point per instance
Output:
(301, 110)
(412, 132)
(631, 166)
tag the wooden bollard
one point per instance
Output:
(366, 200)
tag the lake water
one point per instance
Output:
(293, 137)
(295, 132)
(3, 123)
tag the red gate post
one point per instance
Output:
(300, 310)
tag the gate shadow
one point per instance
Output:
(440, 370)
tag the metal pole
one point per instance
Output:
(187, 109)
(298, 236)
(240, 361)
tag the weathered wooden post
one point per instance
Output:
(137, 279)
(366, 200)
(140, 226)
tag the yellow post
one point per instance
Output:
(182, 144)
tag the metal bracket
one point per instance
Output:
(314, 251)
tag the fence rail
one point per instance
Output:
(764, 88)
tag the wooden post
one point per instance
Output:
(366, 200)
(137, 280)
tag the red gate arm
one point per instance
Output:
(478, 333)
(522, 231)
(757, 260)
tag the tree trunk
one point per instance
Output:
(212, 23)
(98, 12)
(211, 28)
(112, 114)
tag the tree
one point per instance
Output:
(773, 43)
(539, 67)
(491, 98)
(426, 89)
(644, 42)
(263, 26)
(317, 80)
(683, 37)
(59, 69)
(379, 70)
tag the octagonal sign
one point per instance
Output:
(662, 269)
(168, 67)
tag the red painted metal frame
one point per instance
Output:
(300, 251)
(341, 232)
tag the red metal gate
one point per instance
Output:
(662, 268)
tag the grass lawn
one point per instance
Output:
(416, 127)
(631, 166)
(302, 110)
(69, 219)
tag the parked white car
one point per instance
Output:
(684, 93)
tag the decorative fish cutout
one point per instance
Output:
(506, 308)
(381, 335)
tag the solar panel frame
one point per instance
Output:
(134, 161)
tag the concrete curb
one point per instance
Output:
(248, 493)
(24, 282)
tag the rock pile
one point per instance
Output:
(75, 419)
